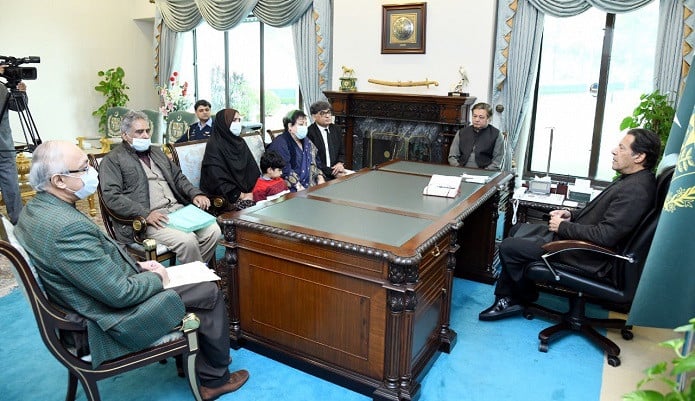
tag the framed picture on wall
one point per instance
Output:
(403, 28)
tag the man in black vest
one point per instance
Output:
(478, 145)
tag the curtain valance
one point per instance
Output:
(569, 8)
(184, 15)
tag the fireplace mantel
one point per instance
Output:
(404, 116)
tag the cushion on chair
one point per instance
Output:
(12, 239)
(191, 160)
(254, 140)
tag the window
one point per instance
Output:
(250, 67)
(593, 68)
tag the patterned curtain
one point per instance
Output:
(517, 46)
(312, 38)
(311, 27)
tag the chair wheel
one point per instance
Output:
(627, 334)
(613, 360)
(543, 347)
(528, 315)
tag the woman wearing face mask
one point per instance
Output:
(301, 170)
(228, 167)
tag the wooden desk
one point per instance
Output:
(351, 279)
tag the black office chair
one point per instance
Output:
(617, 287)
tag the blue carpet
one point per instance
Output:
(491, 361)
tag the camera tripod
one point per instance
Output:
(16, 100)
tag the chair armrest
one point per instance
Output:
(555, 247)
(138, 223)
(219, 205)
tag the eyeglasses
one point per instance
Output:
(324, 113)
(82, 170)
(142, 131)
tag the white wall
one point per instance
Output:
(458, 33)
(75, 39)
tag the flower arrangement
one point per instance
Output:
(173, 97)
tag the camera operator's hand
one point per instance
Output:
(2, 69)
(21, 86)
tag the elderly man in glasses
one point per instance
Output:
(328, 140)
(138, 179)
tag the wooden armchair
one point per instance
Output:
(140, 249)
(56, 326)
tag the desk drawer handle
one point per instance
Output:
(436, 252)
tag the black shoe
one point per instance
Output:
(503, 307)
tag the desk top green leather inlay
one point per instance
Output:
(391, 190)
(382, 227)
(430, 169)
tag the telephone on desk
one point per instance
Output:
(553, 199)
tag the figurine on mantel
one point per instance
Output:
(348, 81)
(461, 85)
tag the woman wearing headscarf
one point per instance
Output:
(229, 168)
(301, 169)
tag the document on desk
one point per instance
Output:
(475, 179)
(443, 185)
(190, 273)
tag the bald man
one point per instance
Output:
(124, 302)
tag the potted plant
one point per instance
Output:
(683, 364)
(654, 113)
(113, 88)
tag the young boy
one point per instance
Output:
(271, 182)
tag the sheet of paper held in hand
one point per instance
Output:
(190, 273)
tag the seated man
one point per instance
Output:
(608, 221)
(85, 271)
(328, 140)
(201, 129)
(479, 145)
(138, 179)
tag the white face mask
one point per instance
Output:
(301, 131)
(90, 181)
(141, 144)
(235, 127)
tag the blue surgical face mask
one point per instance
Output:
(235, 128)
(301, 131)
(90, 181)
(141, 144)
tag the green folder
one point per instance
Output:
(190, 218)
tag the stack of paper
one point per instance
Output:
(476, 179)
(443, 185)
(190, 218)
(190, 273)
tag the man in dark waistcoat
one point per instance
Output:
(479, 145)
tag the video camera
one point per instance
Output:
(14, 73)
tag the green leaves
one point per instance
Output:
(113, 88)
(682, 364)
(654, 113)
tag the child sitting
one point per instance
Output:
(271, 182)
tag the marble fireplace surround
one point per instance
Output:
(382, 126)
